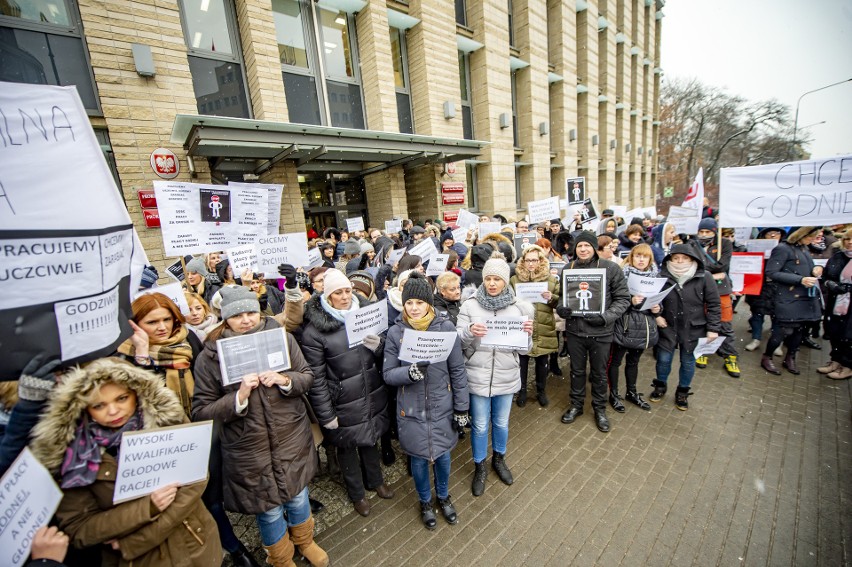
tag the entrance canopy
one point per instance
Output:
(256, 145)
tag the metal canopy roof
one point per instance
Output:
(313, 148)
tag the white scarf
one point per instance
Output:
(682, 273)
(339, 314)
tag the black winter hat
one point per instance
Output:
(587, 237)
(417, 288)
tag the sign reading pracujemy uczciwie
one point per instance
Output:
(69, 257)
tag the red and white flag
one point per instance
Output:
(695, 196)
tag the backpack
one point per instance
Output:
(636, 329)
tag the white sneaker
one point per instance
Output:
(753, 345)
(778, 352)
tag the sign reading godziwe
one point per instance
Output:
(153, 458)
(68, 259)
(803, 193)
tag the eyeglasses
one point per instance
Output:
(531, 260)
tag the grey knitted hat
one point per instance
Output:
(351, 248)
(238, 299)
(197, 265)
(496, 266)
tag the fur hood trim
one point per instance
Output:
(542, 271)
(319, 317)
(68, 400)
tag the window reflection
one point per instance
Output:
(290, 32)
(207, 26)
(41, 11)
(335, 38)
(218, 87)
(396, 55)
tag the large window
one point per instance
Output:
(322, 86)
(42, 43)
(514, 82)
(400, 79)
(213, 46)
(461, 12)
(511, 9)
(464, 87)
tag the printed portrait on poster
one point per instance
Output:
(584, 291)
(215, 205)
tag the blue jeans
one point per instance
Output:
(687, 367)
(756, 324)
(420, 472)
(493, 411)
(273, 524)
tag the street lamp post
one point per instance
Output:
(796, 121)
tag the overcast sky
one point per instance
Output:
(765, 49)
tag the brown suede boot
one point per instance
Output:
(280, 554)
(303, 536)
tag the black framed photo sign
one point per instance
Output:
(584, 291)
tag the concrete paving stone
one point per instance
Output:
(808, 555)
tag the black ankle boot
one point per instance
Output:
(564, 352)
(479, 476)
(522, 398)
(636, 398)
(615, 401)
(427, 514)
(388, 455)
(554, 365)
(243, 558)
(448, 510)
(659, 390)
(498, 463)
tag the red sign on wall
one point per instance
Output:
(452, 187)
(453, 199)
(147, 199)
(451, 216)
(152, 218)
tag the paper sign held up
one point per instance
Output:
(251, 353)
(506, 333)
(466, 219)
(531, 291)
(393, 226)
(544, 210)
(370, 320)
(151, 459)
(427, 346)
(173, 291)
(437, 265)
(354, 224)
(242, 258)
(281, 249)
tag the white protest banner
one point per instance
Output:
(281, 249)
(506, 333)
(655, 299)
(675, 211)
(355, 224)
(393, 226)
(466, 219)
(742, 234)
(425, 249)
(28, 498)
(460, 234)
(314, 259)
(632, 214)
(427, 346)
(153, 458)
(438, 265)
(641, 285)
(544, 210)
(242, 258)
(273, 216)
(173, 291)
(804, 193)
(746, 265)
(706, 347)
(765, 245)
(575, 190)
(65, 234)
(488, 228)
(207, 218)
(370, 320)
(684, 219)
(650, 211)
(395, 256)
(254, 352)
(510, 227)
(531, 291)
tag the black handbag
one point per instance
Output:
(636, 329)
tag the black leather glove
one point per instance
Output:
(460, 420)
(288, 272)
(837, 288)
(37, 379)
(596, 320)
(564, 312)
(417, 371)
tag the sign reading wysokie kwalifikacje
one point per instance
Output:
(151, 459)
(69, 257)
(584, 291)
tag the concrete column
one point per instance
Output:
(377, 67)
(292, 215)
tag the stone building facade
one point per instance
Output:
(359, 107)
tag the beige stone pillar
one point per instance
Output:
(386, 196)
(377, 67)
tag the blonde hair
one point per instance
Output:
(446, 279)
(638, 250)
(191, 296)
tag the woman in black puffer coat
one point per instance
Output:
(837, 279)
(348, 394)
(791, 271)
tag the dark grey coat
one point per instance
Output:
(785, 268)
(424, 409)
(347, 381)
(690, 311)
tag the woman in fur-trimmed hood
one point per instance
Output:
(78, 439)
(534, 267)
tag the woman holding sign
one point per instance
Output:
(533, 267)
(79, 438)
(348, 394)
(266, 434)
(432, 400)
(493, 371)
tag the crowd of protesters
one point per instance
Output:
(268, 425)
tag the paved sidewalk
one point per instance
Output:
(755, 473)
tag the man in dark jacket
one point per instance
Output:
(590, 337)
